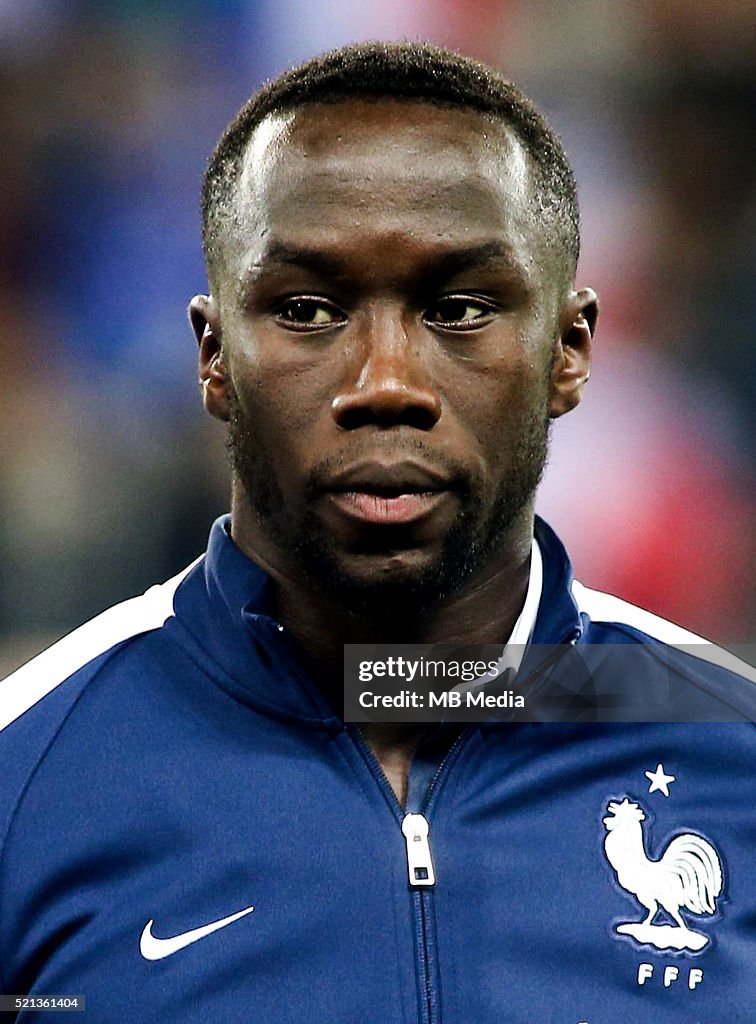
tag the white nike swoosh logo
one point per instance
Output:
(152, 948)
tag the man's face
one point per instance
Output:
(388, 322)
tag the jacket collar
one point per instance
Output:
(558, 620)
(226, 604)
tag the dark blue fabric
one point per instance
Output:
(196, 770)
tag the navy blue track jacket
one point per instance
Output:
(188, 833)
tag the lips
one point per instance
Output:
(406, 507)
(388, 493)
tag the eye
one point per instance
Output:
(308, 314)
(459, 312)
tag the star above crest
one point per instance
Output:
(659, 780)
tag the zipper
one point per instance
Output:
(422, 878)
(449, 756)
(426, 934)
(419, 894)
(421, 873)
(419, 861)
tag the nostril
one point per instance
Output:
(420, 418)
(356, 416)
(386, 406)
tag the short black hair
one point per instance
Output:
(407, 71)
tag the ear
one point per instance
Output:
(204, 317)
(572, 363)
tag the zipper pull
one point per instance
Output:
(419, 862)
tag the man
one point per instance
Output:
(190, 830)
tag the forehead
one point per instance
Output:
(355, 172)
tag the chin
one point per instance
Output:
(397, 570)
(385, 585)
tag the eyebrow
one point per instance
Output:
(439, 265)
(281, 254)
(298, 256)
(455, 260)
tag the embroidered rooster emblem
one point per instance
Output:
(687, 877)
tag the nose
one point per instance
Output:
(388, 384)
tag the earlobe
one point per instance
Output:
(205, 320)
(572, 363)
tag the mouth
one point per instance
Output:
(397, 509)
(388, 494)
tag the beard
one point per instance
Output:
(478, 532)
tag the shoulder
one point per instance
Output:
(86, 648)
(598, 618)
(609, 618)
(641, 639)
(37, 699)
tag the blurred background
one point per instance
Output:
(110, 474)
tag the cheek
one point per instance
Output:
(290, 382)
(496, 401)
(286, 408)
